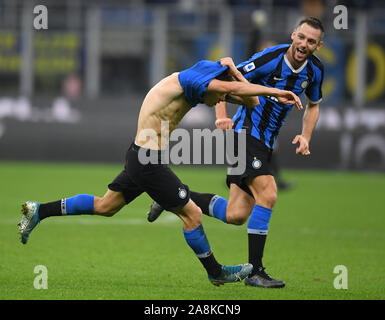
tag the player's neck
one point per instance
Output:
(295, 64)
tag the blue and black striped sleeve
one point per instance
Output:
(314, 90)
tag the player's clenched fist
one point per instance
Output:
(224, 123)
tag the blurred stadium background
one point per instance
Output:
(73, 91)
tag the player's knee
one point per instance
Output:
(270, 198)
(190, 214)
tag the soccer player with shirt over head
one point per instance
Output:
(169, 100)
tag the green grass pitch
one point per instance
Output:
(328, 219)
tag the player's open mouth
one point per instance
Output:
(301, 53)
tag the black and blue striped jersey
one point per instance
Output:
(271, 68)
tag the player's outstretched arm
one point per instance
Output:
(249, 89)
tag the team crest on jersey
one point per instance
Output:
(249, 67)
(304, 84)
(256, 163)
(182, 193)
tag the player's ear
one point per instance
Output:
(293, 34)
(320, 44)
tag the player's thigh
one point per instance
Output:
(264, 190)
(110, 203)
(239, 206)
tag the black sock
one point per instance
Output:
(202, 200)
(50, 209)
(211, 265)
(256, 248)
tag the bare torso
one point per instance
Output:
(163, 107)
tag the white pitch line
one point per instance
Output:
(165, 220)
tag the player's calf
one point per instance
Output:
(236, 218)
(109, 204)
(104, 208)
(77, 205)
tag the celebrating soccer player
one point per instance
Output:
(254, 193)
(169, 100)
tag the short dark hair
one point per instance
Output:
(313, 22)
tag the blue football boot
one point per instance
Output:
(30, 219)
(232, 274)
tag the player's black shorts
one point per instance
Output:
(257, 162)
(157, 180)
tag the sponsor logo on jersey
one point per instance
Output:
(249, 67)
